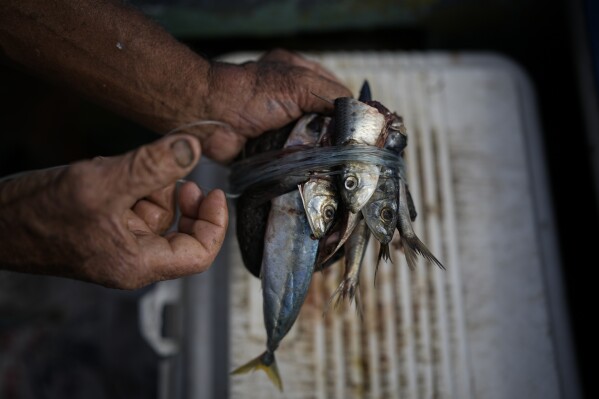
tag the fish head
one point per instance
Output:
(396, 140)
(381, 211)
(320, 204)
(358, 183)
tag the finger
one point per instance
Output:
(223, 145)
(316, 94)
(211, 209)
(290, 57)
(190, 197)
(180, 254)
(157, 210)
(154, 166)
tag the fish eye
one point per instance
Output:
(351, 183)
(386, 214)
(329, 212)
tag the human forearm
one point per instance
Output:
(104, 220)
(117, 57)
(110, 53)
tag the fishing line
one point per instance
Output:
(275, 166)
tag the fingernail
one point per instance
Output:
(183, 152)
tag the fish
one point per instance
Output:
(320, 199)
(319, 193)
(288, 262)
(357, 123)
(250, 209)
(287, 268)
(334, 241)
(354, 255)
(381, 211)
(253, 206)
(410, 241)
(397, 141)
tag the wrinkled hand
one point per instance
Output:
(258, 96)
(101, 220)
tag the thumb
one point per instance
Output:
(157, 165)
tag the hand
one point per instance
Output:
(101, 220)
(258, 96)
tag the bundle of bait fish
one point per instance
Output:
(313, 193)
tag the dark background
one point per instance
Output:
(44, 125)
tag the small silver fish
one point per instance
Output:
(411, 243)
(354, 254)
(333, 242)
(381, 211)
(320, 199)
(319, 193)
(357, 123)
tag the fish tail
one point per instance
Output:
(409, 253)
(266, 362)
(358, 303)
(336, 298)
(413, 245)
(383, 254)
(347, 289)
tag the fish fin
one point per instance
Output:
(383, 254)
(411, 205)
(417, 246)
(365, 93)
(358, 302)
(259, 363)
(409, 253)
(343, 291)
(335, 297)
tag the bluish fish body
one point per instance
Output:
(287, 267)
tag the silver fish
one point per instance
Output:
(319, 193)
(357, 123)
(411, 243)
(397, 141)
(287, 267)
(354, 254)
(333, 242)
(381, 211)
(320, 199)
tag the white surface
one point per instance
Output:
(484, 328)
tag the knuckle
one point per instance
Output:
(148, 166)
(81, 185)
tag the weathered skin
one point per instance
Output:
(357, 123)
(411, 243)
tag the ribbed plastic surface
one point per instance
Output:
(469, 331)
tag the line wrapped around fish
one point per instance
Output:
(314, 192)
